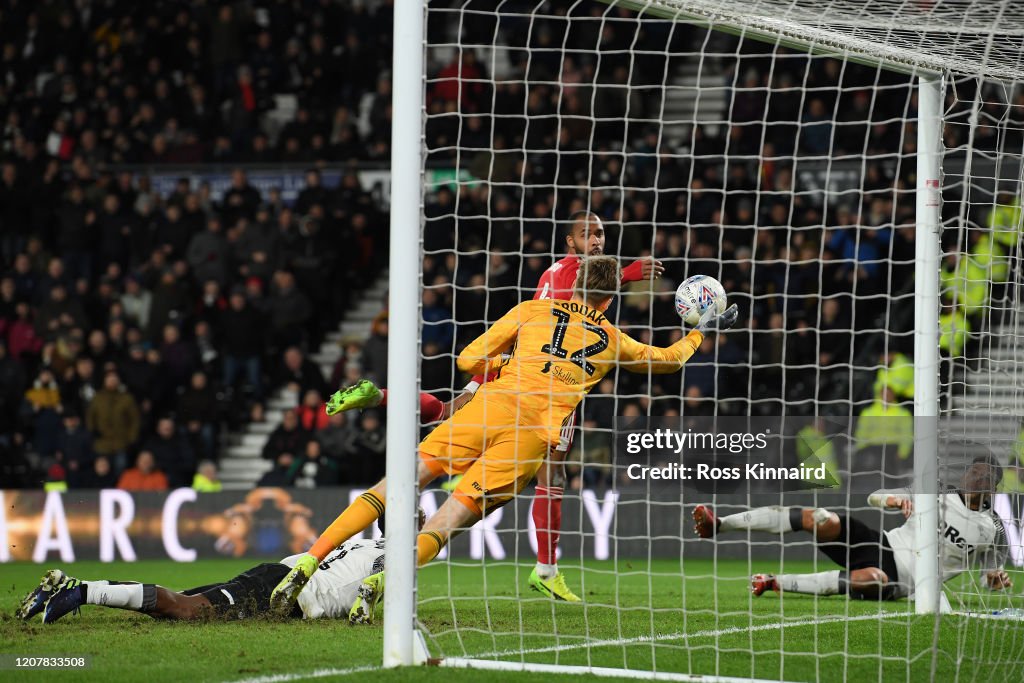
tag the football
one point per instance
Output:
(695, 294)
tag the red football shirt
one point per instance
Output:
(558, 281)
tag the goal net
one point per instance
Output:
(774, 146)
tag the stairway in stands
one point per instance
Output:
(241, 461)
(698, 93)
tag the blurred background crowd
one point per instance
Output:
(136, 326)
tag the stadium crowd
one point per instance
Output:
(134, 325)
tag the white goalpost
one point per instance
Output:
(403, 349)
(834, 164)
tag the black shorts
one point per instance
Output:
(859, 547)
(248, 594)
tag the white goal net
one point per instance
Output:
(774, 146)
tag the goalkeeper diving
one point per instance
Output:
(880, 564)
(560, 350)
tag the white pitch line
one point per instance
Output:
(732, 630)
(318, 673)
(710, 633)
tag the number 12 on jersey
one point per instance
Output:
(578, 357)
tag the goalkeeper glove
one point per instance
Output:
(284, 596)
(711, 321)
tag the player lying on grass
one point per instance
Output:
(880, 564)
(497, 442)
(584, 237)
(331, 592)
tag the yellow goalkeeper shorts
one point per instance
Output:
(496, 457)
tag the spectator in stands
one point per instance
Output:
(114, 420)
(211, 304)
(207, 254)
(12, 388)
(172, 452)
(337, 437)
(241, 199)
(315, 468)
(207, 479)
(366, 463)
(313, 193)
(56, 478)
(312, 415)
(58, 312)
(23, 342)
(145, 476)
(98, 476)
(42, 408)
(374, 358)
(289, 310)
(438, 327)
(170, 301)
(289, 438)
(198, 411)
(298, 374)
(883, 439)
(136, 302)
(178, 356)
(281, 474)
(74, 448)
(242, 332)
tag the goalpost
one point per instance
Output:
(506, 120)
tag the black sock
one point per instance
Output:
(844, 582)
(148, 597)
(796, 518)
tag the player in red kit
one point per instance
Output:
(585, 236)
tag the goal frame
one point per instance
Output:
(400, 635)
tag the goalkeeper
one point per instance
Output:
(584, 237)
(498, 441)
(880, 564)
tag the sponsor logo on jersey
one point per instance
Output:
(953, 535)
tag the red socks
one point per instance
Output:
(547, 517)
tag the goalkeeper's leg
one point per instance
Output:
(366, 394)
(361, 513)
(455, 516)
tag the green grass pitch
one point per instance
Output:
(663, 622)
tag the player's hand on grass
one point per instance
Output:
(998, 580)
(651, 268)
(711, 321)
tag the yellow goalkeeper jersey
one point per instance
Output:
(559, 351)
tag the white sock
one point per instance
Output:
(774, 519)
(546, 571)
(822, 583)
(123, 595)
